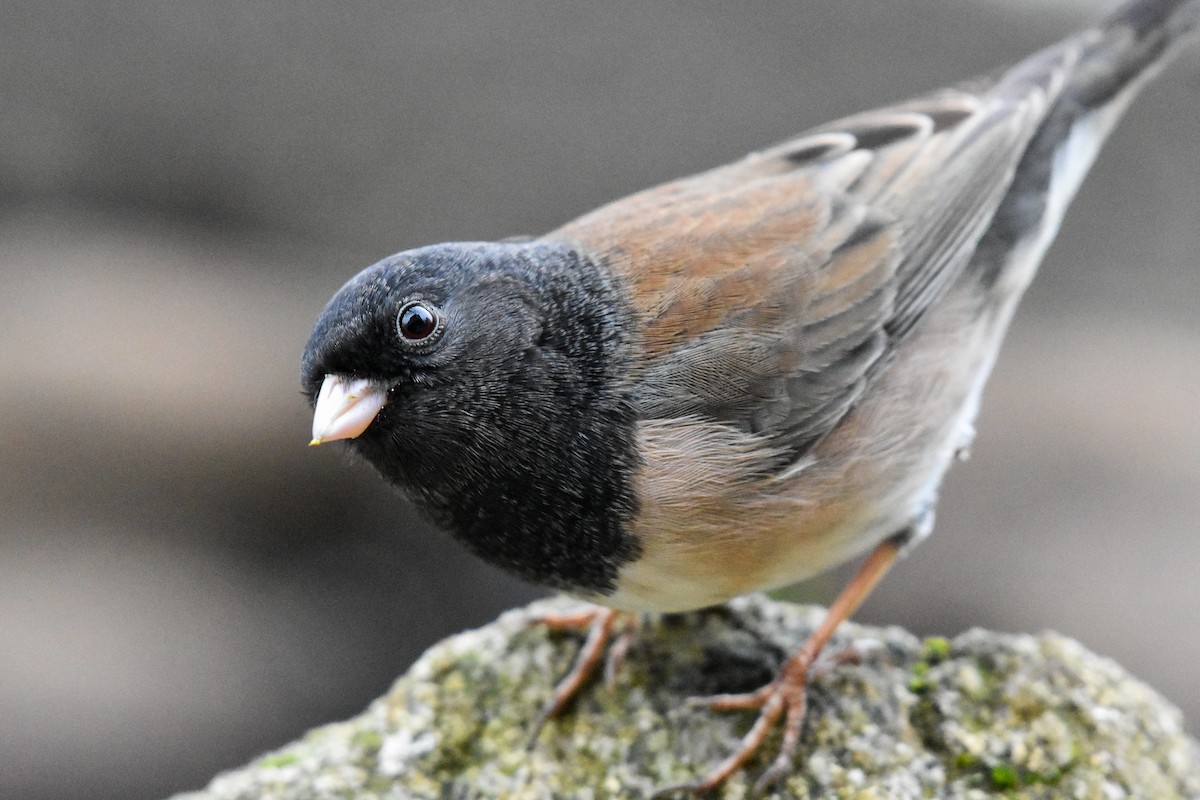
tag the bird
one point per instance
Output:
(733, 381)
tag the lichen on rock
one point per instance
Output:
(978, 716)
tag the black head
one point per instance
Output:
(507, 414)
(469, 293)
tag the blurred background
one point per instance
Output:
(184, 584)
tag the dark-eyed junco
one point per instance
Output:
(736, 380)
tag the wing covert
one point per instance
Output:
(770, 292)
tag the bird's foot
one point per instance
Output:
(607, 630)
(784, 698)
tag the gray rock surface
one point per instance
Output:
(980, 715)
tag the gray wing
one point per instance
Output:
(771, 291)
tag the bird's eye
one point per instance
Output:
(418, 322)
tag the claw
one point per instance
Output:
(619, 650)
(732, 702)
(599, 623)
(786, 696)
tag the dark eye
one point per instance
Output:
(418, 322)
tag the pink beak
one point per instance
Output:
(345, 408)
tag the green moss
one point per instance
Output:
(965, 761)
(457, 725)
(1003, 776)
(926, 719)
(1049, 778)
(1007, 776)
(276, 760)
(368, 741)
(937, 649)
(918, 682)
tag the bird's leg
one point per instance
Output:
(620, 648)
(600, 623)
(784, 698)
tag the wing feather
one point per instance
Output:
(770, 292)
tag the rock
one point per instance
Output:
(981, 715)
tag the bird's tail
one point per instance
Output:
(1114, 61)
(1129, 47)
(1090, 80)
